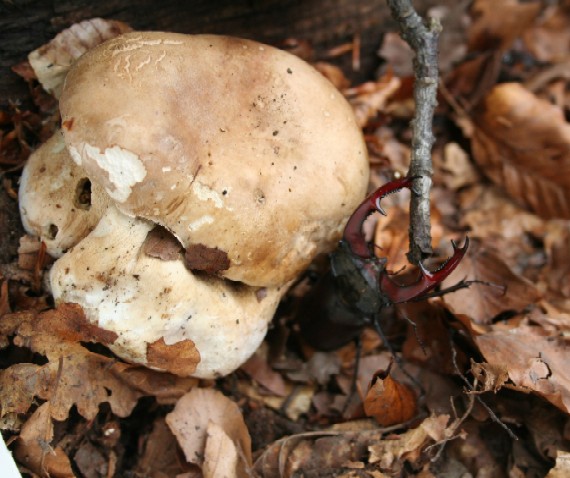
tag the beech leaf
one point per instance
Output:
(484, 302)
(523, 144)
(205, 415)
(388, 401)
(534, 363)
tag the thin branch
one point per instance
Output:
(423, 39)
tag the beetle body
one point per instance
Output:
(357, 286)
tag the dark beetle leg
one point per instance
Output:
(427, 281)
(353, 230)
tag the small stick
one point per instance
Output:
(423, 40)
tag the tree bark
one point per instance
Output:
(423, 39)
(27, 24)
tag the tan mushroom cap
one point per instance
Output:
(228, 143)
(57, 201)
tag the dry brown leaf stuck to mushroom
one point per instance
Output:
(211, 431)
(73, 374)
(523, 144)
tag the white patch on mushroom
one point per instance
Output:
(124, 168)
(75, 155)
(198, 223)
(205, 193)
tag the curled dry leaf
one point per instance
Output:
(180, 358)
(325, 453)
(535, 364)
(52, 60)
(497, 24)
(205, 415)
(162, 244)
(397, 53)
(484, 302)
(391, 454)
(557, 270)
(160, 457)
(458, 170)
(430, 343)
(209, 260)
(523, 144)
(333, 73)
(489, 212)
(372, 98)
(34, 450)
(73, 374)
(491, 377)
(260, 371)
(549, 39)
(388, 401)
(221, 456)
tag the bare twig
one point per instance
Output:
(423, 40)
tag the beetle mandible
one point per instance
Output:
(358, 285)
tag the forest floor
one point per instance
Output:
(480, 381)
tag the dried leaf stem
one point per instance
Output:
(423, 39)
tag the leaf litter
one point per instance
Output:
(479, 381)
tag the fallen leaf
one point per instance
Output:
(74, 375)
(489, 212)
(557, 248)
(491, 377)
(260, 371)
(159, 454)
(484, 302)
(396, 51)
(408, 447)
(388, 401)
(69, 322)
(52, 60)
(523, 144)
(458, 170)
(191, 419)
(429, 341)
(34, 450)
(368, 101)
(209, 260)
(333, 73)
(545, 427)
(180, 358)
(90, 461)
(497, 24)
(535, 364)
(323, 453)
(549, 38)
(162, 244)
(220, 454)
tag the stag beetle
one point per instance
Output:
(358, 285)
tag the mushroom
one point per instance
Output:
(250, 158)
(57, 200)
(145, 300)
